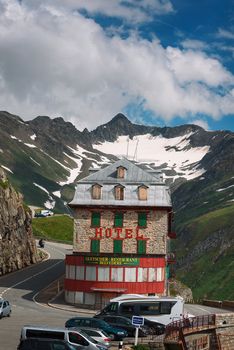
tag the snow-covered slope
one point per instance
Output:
(175, 155)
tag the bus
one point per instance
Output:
(163, 310)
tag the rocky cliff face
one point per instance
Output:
(17, 245)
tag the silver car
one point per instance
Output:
(98, 334)
(5, 308)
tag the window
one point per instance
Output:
(121, 172)
(90, 273)
(142, 274)
(118, 221)
(104, 274)
(130, 274)
(95, 246)
(116, 276)
(141, 246)
(96, 191)
(119, 192)
(142, 193)
(77, 339)
(142, 219)
(118, 244)
(152, 308)
(95, 219)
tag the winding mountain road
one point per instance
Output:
(22, 287)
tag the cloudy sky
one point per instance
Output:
(160, 62)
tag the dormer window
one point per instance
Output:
(119, 192)
(121, 172)
(96, 191)
(142, 192)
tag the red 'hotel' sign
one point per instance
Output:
(118, 233)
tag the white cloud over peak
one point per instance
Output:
(56, 62)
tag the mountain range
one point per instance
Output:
(44, 158)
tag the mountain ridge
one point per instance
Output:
(45, 157)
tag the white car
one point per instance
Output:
(97, 334)
(5, 308)
(47, 212)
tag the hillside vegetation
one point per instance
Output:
(57, 228)
(208, 267)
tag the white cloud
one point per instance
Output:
(194, 44)
(202, 123)
(226, 34)
(131, 10)
(56, 62)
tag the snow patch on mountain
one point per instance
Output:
(175, 154)
(7, 169)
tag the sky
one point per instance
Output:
(159, 62)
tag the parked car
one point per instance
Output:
(125, 323)
(98, 334)
(75, 337)
(39, 215)
(5, 308)
(155, 327)
(92, 322)
(47, 212)
(44, 344)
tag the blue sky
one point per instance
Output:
(159, 62)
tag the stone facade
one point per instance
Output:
(155, 233)
(17, 245)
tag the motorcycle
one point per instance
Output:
(41, 243)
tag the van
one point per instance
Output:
(44, 344)
(162, 310)
(74, 337)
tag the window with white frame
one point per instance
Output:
(142, 274)
(160, 273)
(152, 274)
(104, 274)
(79, 272)
(117, 274)
(130, 274)
(90, 273)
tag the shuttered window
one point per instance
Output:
(96, 191)
(118, 222)
(95, 246)
(141, 247)
(118, 244)
(95, 219)
(142, 193)
(142, 219)
(119, 193)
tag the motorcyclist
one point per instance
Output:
(41, 243)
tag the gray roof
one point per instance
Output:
(157, 192)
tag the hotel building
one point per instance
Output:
(122, 224)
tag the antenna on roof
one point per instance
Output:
(135, 153)
(127, 146)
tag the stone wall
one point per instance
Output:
(17, 245)
(155, 233)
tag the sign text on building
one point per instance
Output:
(118, 233)
(104, 260)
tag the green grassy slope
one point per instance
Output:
(57, 228)
(208, 268)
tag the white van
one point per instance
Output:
(163, 310)
(75, 337)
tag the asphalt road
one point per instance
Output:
(21, 288)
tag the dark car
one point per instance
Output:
(39, 215)
(44, 344)
(125, 323)
(80, 322)
(154, 327)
